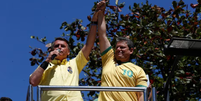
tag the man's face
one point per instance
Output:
(64, 50)
(122, 51)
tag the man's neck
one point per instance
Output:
(120, 62)
(60, 58)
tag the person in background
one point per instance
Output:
(58, 71)
(118, 70)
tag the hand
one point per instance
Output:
(50, 55)
(100, 8)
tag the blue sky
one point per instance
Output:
(19, 19)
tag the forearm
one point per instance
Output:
(90, 41)
(140, 96)
(36, 76)
(103, 40)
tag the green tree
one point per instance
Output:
(150, 28)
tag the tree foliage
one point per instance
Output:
(150, 28)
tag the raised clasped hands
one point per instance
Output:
(100, 8)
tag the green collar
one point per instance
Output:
(119, 62)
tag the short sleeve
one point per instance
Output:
(107, 56)
(81, 61)
(141, 79)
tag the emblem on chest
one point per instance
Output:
(69, 69)
(129, 73)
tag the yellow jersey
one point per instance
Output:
(63, 73)
(124, 75)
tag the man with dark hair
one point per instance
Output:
(59, 71)
(5, 99)
(118, 70)
(129, 42)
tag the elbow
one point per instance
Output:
(88, 47)
(32, 82)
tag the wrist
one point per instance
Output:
(48, 59)
(94, 23)
(94, 18)
(44, 65)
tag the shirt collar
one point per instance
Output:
(119, 62)
(59, 62)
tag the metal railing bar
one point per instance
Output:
(39, 92)
(29, 96)
(31, 92)
(91, 88)
(154, 94)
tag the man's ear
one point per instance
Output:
(131, 50)
(68, 51)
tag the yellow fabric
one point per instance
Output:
(124, 75)
(57, 74)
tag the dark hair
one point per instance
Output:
(5, 99)
(129, 42)
(59, 38)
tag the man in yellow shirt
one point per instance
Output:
(118, 70)
(59, 71)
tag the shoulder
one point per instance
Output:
(108, 50)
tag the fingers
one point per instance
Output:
(100, 3)
(95, 16)
(101, 6)
(56, 52)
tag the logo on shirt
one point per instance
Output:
(129, 73)
(70, 70)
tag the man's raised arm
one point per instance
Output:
(91, 36)
(103, 40)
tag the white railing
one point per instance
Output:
(41, 88)
(29, 93)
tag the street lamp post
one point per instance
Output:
(180, 47)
